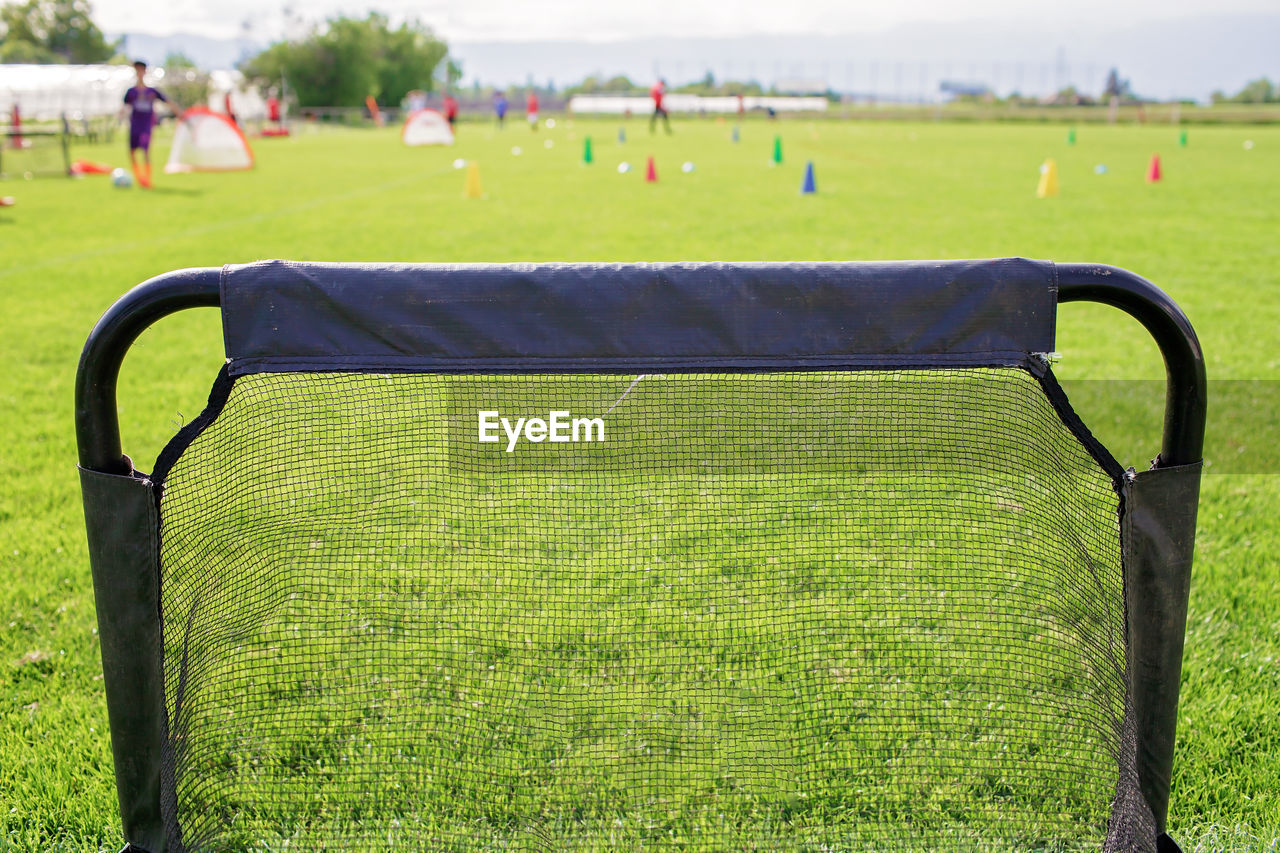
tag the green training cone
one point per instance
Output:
(586, 151)
(777, 149)
(1182, 139)
(1071, 136)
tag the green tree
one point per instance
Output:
(347, 59)
(178, 59)
(53, 31)
(407, 58)
(1117, 87)
(1260, 91)
(619, 85)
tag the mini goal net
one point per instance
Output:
(34, 153)
(697, 557)
(426, 127)
(205, 141)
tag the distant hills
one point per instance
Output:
(208, 53)
(1183, 57)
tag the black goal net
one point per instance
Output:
(523, 599)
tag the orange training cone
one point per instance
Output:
(1048, 185)
(1153, 171)
(473, 188)
(651, 172)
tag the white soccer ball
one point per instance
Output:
(1100, 169)
(624, 167)
(459, 163)
(121, 179)
(547, 143)
(551, 123)
(1248, 145)
(517, 150)
(687, 167)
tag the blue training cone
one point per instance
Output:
(735, 133)
(809, 186)
(622, 134)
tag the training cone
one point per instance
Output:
(1048, 179)
(622, 135)
(473, 188)
(1071, 136)
(808, 187)
(777, 150)
(735, 133)
(586, 151)
(651, 171)
(1182, 139)
(1153, 171)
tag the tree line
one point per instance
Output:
(345, 60)
(48, 32)
(339, 62)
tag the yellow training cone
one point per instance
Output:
(1048, 179)
(473, 188)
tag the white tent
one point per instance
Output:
(206, 141)
(426, 127)
(47, 92)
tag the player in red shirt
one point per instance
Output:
(450, 110)
(658, 92)
(531, 107)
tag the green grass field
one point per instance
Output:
(1207, 234)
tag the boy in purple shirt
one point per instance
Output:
(141, 99)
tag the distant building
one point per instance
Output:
(953, 89)
(800, 86)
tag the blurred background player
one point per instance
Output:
(140, 101)
(500, 106)
(451, 110)
(531, 107)
(658, 92)
(273, 109)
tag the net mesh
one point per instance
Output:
(32, 153)
(836, 610)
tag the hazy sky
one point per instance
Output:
(601, 20)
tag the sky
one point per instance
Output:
(605, 20)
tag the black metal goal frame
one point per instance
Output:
(64, 147)
(1158, 506)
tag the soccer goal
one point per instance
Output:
(34, 153)
(697, 557)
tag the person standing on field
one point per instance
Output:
(500, 106)
(451, 110)
(658, 92)
(531, 107)
(140, 100)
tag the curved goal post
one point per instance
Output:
(592, 556)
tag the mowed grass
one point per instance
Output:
(1207, 234)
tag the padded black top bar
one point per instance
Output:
(283, 316)
(941, 312)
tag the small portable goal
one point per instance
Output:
(691, 557)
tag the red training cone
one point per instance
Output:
(651, 172)
(1153, 171)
